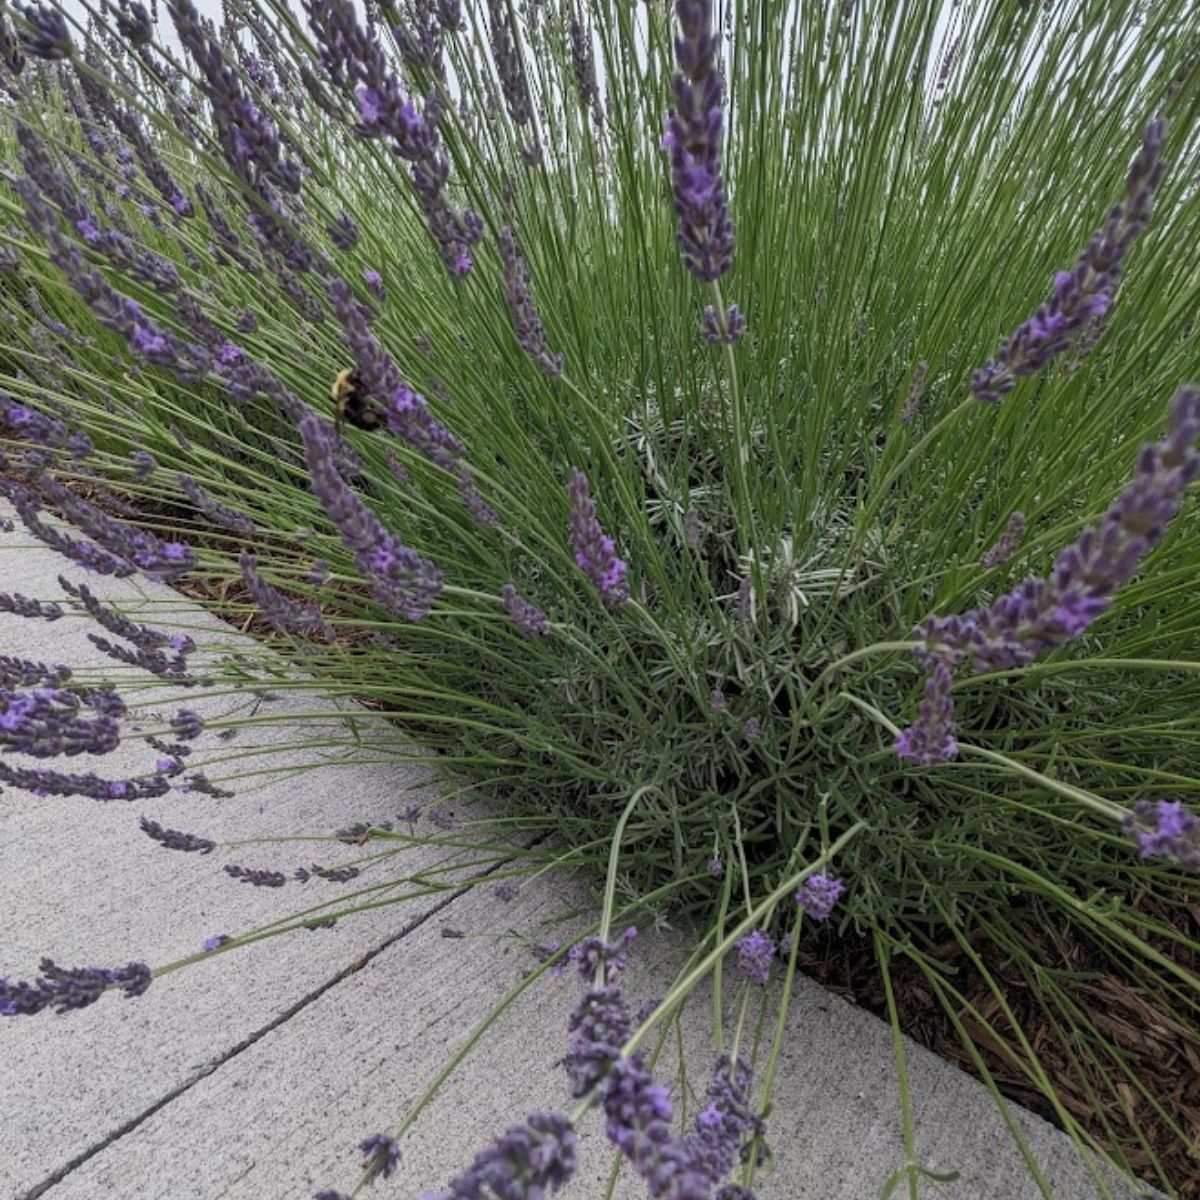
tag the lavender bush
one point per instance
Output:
(786, 453)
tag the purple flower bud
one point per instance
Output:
(1165, 830)
(44, 31)
(531, 336)
(399, 577)
(526, 616)
(214, 510)
(729, 330)
(583, 61)
(751, 730)
(528, 1162)
(931, 739)
(507, 55)
(374, 282)
(382, 1156)
(1009, 540)
(285, 614)
(756, 951)
(594, 550)
(717, 704)
(818, 895)
(215, 943)
(343, 232)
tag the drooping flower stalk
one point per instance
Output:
(1084, 294)
(405, 411)
(354, 60)
(284, 613)
(66, 989)
(398, 576)
(1042, 614)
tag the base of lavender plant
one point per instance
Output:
(256, 1075)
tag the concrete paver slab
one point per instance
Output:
(257, 1073)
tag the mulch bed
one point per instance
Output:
(1154, 1045)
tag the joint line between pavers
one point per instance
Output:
(129, 1126)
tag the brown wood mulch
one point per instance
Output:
(1154, 1047)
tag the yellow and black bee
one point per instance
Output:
(352, 402)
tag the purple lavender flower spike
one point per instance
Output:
(1083, 295)
(583, 61)
(818, 896)
(693, 141)
(21, 672)
(728, 331)
(506, 53)
(174, 839)
(67, 989)
(133, 22)
(285, 614)
(382, 1157)
(751, 730)
(44, 34)
(717, 703)
(14, 62)
(930, 740)
(257, 878)
(756, 952)
(143, 464)
(215, 943)
(528, 618)
(399, 577)
(724, 1122)
(405, 411)
(591, 954)
(916, 387)
(187, 725)
(343, 232)
(531, 335)
(449, 15)
(1042, 614)
(1165, 830)
(47, 722)
(529, 1162)
(354, 60)
(374, 282)
(1007, 543)
(594, 550)
(218, 513)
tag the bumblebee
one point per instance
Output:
(352, 402)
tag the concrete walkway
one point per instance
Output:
(256, 1074)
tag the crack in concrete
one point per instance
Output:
(56, 1177)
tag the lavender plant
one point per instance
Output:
(630, 557)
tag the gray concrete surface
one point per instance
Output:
(255, 1074)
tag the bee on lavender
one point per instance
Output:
(353, 403)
